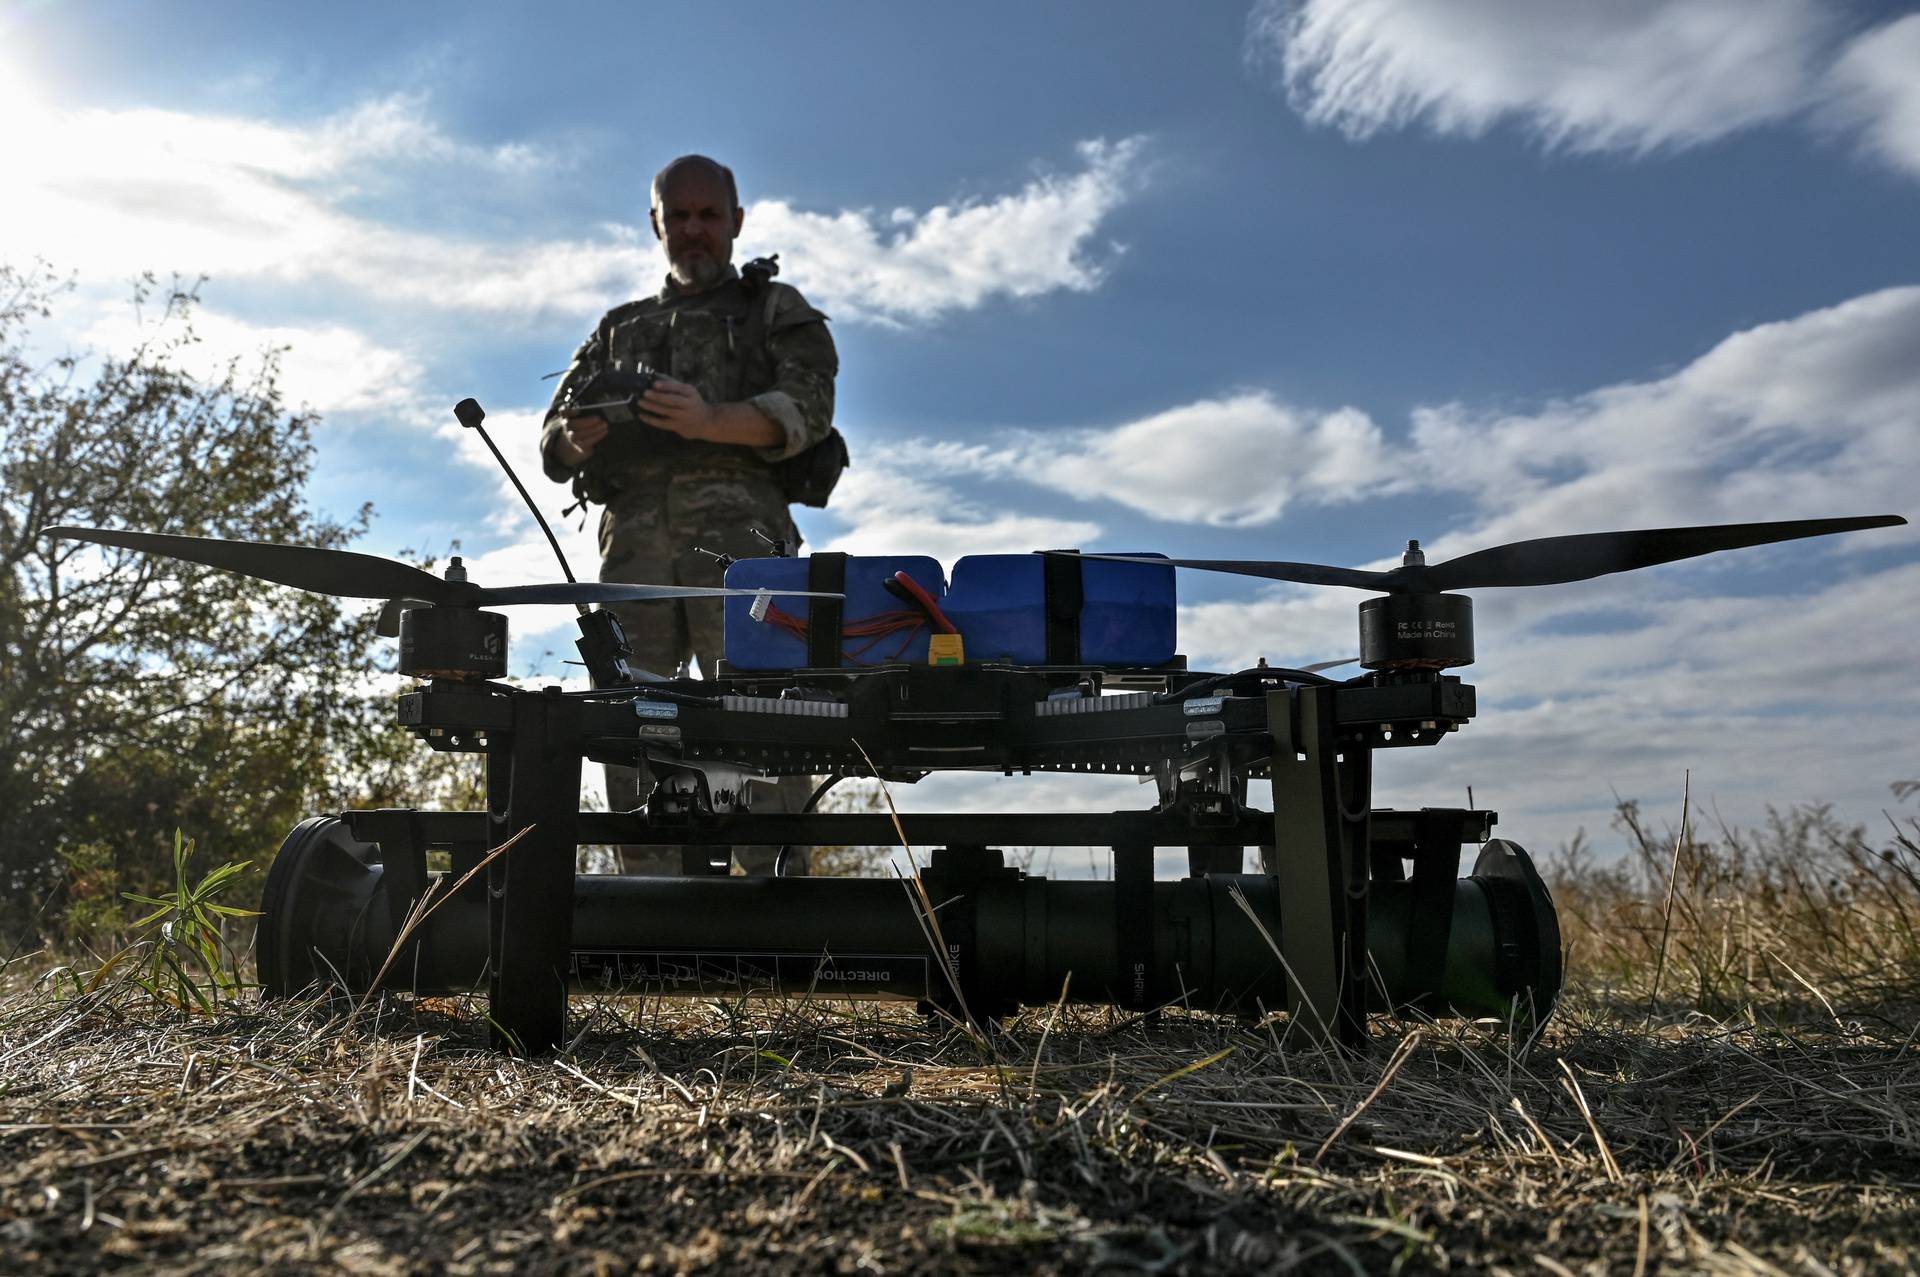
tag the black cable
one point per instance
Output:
(1268, 672)
(648, 692)
(470, 417)
(642, 692)
(565, 568)
(780, 860)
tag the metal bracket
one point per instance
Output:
(1322, 900)
(1133, 932)
(530, 888)
(403, 857)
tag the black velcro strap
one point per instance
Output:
(1065, 595)
(826, 573)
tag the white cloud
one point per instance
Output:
(325, 367)
(1633, 75)
(1291, 626)
(1228, 462)
(1804, 418)
(907, 265)
(114, 192)
(1876, 87)
(1234, 461)
(1623, 75)
(884, 509)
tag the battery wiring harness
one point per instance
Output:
(921, 613)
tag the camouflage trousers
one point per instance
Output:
(653, 532)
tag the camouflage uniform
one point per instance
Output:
(664, 494)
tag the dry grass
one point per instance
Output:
(1804, 919)
(1761, 1115)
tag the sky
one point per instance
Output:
(1289, 279)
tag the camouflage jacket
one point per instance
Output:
(765, 347)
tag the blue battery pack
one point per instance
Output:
(1013, 607)
(770, 645)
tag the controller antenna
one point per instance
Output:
(776, 546)
(471, 414)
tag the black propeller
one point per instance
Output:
(1420, 625)
(343, 573)
(1542, 561)
(347, 574)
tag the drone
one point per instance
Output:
(848, 666)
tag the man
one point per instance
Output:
(746, 373)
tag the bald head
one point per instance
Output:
(696, 213)
(710, 169)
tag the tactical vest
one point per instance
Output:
(714, 341)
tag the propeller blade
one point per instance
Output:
(1272, 570)
(618, 592)
(342, 573)
(388, 626)
(348, 574)
(1317, 666)
(1553, 560)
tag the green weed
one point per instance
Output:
(179, 954)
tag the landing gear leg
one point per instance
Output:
(530, 888)
(1321, 799)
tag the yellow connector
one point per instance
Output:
(945, 649)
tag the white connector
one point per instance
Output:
(758, 608)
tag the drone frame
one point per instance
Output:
(988, 938)
(1337, 915)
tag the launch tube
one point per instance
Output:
(1008, 939)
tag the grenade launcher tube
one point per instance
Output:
(1012, 940)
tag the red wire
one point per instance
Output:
(876, 627)
(926, 600)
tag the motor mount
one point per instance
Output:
(463, 643)
(1416, 632)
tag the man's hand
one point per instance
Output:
(677, 407)
(578, 438)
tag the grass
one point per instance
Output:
(1732, 1086)
(1796, 919)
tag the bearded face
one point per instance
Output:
(696, 270)
(697, 222)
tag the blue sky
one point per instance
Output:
(1285, 278)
